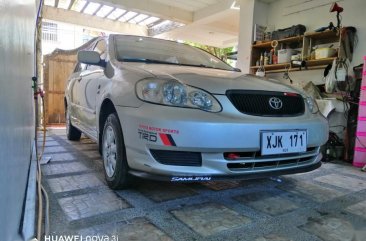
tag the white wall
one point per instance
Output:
(251, 12)
(17, 28)
(354, 15)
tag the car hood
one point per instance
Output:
(214, 81)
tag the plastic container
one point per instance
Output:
(284, 55)
(322, 53)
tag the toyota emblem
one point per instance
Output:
(275, 103)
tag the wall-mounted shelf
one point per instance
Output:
(304, 44)
(311, 65)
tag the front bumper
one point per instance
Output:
(245, 176)
(154, 127)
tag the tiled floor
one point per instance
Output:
(327, 204)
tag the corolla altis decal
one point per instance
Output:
(190, 179)
(153, 134)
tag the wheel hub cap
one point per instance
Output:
(109, 151)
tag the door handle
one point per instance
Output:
(98, 89)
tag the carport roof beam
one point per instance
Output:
(130, 15)
(70, 4)
(147, 16)
(116, 14)
(73, 17)
(97, 10)
(91, 8)
(123, 14)
(153, 8)
(85, 6)
(103, 11)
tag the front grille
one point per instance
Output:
(258, 155)
(254, 102)
(269, 164)
(177, 158)
(250, 161)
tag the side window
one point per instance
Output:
(101, 48)
(83, 66)
(79, 67)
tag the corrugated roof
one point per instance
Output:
(106, 11)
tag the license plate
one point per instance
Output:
(280, 142)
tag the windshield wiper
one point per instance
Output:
(149, 61)
(204, 66)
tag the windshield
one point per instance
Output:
(150, 50)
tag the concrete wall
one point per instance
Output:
(17, 26)
(251, 12)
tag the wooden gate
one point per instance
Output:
(57, 68)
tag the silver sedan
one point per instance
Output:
(168, 111)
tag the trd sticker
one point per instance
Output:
(147, 135)
(190, 179)
(167, 139)
(158, 129)
(152, 134)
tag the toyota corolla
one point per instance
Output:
(168, 111)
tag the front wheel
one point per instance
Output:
(114, 154)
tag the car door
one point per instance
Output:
(73, 88)
(89, 85)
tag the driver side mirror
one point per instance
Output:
(90, 57)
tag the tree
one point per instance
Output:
(218, 52)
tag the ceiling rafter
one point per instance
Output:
(110, 12)
(84, 7)
(97, 10)
(135, 15)
(147, 16)
(73, 17)
(70, 4)
(150, 7)
(123, 14)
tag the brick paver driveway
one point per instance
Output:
(327, 204)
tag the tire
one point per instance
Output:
(114, 154)
(72, 133)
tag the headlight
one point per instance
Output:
(313, 106)
(174, 93)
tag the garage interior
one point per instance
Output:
(39, 46)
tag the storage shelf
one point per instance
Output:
(272, 66)
(285, 40)
(262, 45)
(324, 61)
(306, 43)
(322, 35)
(311, 64)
